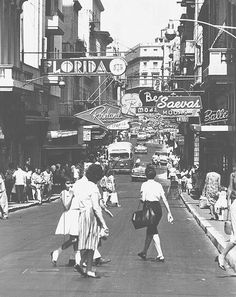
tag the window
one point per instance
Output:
(155, 64)
(145, 64)
(155, 49)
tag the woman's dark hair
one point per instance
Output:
(94, 173)
(150, 172)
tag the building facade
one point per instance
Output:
(213, 69)
(36, 113)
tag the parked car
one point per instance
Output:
(163, 157)
(138, 172)
(142, 136)
(140, 149)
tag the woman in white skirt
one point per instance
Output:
(91, 220)
(65, 221)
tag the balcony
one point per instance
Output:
(220, 61)
(55, 24)
(12, 78)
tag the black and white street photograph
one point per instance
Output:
(117, 148)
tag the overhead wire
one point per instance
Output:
(103, 90)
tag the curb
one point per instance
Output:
(24, 206)
(216, 237)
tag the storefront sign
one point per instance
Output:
(103, 115)
(215, 116)
(168, 112)
(123, 125)
(172, 106)
(86, 134)
(161, 100)
(84, 66)
(129, 102)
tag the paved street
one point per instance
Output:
(189, 270)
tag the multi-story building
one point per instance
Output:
(25, 107)
(36, 114)
(214, 71)
(148, 66)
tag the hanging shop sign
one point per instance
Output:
(122, 125)
(84, 66)
(156, 102)
(102, 115)
(129, 102)
(86, 134)
(215, 116)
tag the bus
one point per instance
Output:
(120, 156)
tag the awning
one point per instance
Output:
(61, 133)
(211, 128)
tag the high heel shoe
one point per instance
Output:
(142, 255)
(79, 269)
(160, 259)
(221, 266)
(54, 262)
(92, 274)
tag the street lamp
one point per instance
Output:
(61, 82)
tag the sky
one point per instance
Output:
(136, 21)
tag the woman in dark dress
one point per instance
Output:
(152, 192)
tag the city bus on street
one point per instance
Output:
(121, 156)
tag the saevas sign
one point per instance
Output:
(84, 66)
(155, 102)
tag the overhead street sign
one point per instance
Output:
(84, 66)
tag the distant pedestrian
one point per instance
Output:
(211, 190)
(37, 185)
(3, 199)
(20, 182)
(9, 180)
(152, 193)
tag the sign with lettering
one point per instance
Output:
(215, 116)
(167, 112)
(86, 134)
(169, 105)
(102, 115)
(122, 125)
(84, 66)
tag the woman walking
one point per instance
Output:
(64, 223)
(211, 190)
(232, 208)
(91, 220)
(152, 192)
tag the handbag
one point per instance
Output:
(143, 218)
(114, 198)
(203, 202)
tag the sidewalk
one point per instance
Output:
(213, 229)
(13, 206)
